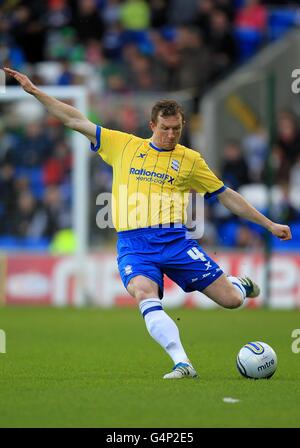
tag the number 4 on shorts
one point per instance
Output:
(195, 254)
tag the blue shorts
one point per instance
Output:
(153, 252)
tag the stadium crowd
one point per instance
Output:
(132, 47)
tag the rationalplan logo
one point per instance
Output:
(125, 211)
(2, 341)
(2, 82)
(151, 176)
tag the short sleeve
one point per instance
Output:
(204, 181)
(110, 144)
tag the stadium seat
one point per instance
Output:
(227, 233)
(9, 243)
(35, 244)
(238, 3)
(291, 245)
(168, 33)
(48, 71)
(295, 198)
(37, 183)
(256, 194)
(12, 243)
(248, 41)
(35, 176)
(282, 20)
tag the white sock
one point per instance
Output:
(163, 329)
(237, 284)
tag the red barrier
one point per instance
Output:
(48, 280)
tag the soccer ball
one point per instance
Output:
(256, 360)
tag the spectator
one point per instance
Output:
(28, 219)
(111, 13)
(135, 15)
(279, 168)
(11, 54)
(166, 64)
(57, 213)
(29, 29)
(282, 209)
(59, 13)
(295, 174)
(288, 138)
(88, 21)
(66, 77)
(94, 54)
(159, 13)
(248, 239)
(58, 166)
(114, 76)
(63, 44)
(8, 197)
(112, 42)
(234, 170)
(255, 146)
(253, 15)
(36, 146)
(7, 142)
(222, 43)
(139, 74)
(228, 7)
(195, 60)
(182, 12)
(202, 17)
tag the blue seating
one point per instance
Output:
(169, 33)
(12, 243)
(293, 244)
(249, 41)
(35, 244)
(239, 3)
(228, 233)
(280, 21)
(256, 228)
(8, 243)
(35, 176)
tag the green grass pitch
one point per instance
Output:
(100, 368)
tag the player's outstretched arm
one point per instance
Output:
(238, 205)
(68, 115)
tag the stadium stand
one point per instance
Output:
(126, 47)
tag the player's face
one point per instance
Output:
(167, 131)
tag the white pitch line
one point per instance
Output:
(230, 400)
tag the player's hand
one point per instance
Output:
(23, 80)
(282, 231)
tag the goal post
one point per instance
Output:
(77, 95)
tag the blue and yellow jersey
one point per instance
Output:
(151, 186)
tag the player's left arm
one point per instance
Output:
(239, 206)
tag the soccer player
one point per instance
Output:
(151, 233)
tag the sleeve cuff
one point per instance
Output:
(96, 147)
(215, 193)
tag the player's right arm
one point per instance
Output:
(68, 115)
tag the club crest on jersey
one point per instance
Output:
(175, 165)
(128, 269)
